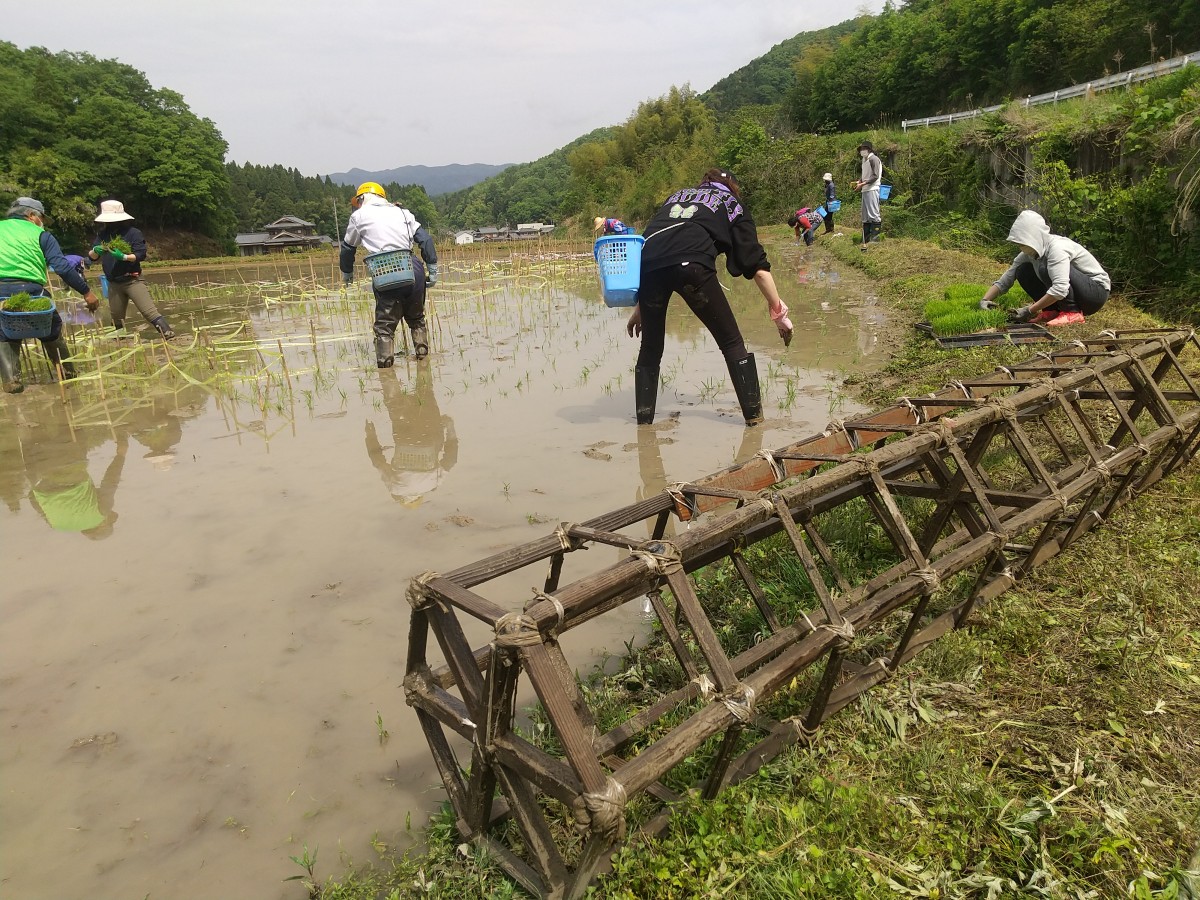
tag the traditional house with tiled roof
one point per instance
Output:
(286, 233)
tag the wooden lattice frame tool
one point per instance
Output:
(972, 487)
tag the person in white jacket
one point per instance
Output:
(1064, 281)
(378, 226)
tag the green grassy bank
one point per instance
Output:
(1049, 749)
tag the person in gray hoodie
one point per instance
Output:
(1064, 281)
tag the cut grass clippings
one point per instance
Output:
(1048, 749)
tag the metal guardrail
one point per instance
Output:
(1123, 79)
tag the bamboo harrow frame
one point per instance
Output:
(973, 487)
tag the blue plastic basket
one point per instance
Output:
(391, 269)
(820, 211)
(885, 191)
(834, 205)
(620, 261)
(17, 326)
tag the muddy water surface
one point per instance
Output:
(204, 568)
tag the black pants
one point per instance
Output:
(700, 290)
(828, 220)
(33, 289)
(406, 302)
(1085, 295)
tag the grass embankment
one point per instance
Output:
(1049, 749)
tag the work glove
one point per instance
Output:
(116, 254)
(1020, 314)
(98, 250)
(782, 323)
(347, 279)
(988, 304)
(431, 274)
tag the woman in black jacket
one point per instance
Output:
(679, 256)
(124, 270)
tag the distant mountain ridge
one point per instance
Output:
(435, 179)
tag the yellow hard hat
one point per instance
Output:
(370, 187)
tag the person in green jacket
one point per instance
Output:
(26, 250)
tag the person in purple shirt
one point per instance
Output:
(610, 226)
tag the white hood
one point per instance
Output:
(1031, 230)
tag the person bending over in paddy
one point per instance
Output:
(805, 221)
(610, 226)
(27, 249)
(679, 256)
(1063, 280)
(124, 269)
(378, 227)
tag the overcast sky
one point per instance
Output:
(327, 86)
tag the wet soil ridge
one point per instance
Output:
(953, 496)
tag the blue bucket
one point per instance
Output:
(619, 257)
(16, 326)
(885, 191)
(390, 269)
(834, 205)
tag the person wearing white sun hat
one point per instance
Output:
(124, 270)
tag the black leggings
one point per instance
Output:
(700, 290)
(1085, 295)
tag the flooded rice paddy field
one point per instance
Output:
(206, 544)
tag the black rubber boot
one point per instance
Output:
(420, 343)
(745, 383)
(60, 355)
(10, 368)
(385, 355)
(866, 235)
(645, 394)
(163, 328)
(876, 227)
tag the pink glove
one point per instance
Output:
(783, 323)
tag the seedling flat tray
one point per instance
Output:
(1025, 333)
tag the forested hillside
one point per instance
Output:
(929, 56)
(771, 77)
(76, 129)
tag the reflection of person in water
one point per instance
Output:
(56, 461)
(424, 445)
(61, 487)
(654, 473)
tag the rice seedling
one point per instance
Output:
(968, 321)
(22, 302)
